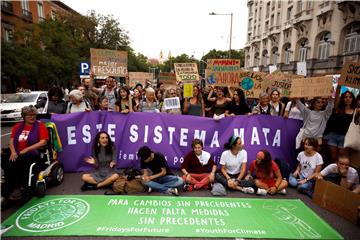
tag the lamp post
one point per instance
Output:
(231, 20)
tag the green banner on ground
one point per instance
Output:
(91, 215)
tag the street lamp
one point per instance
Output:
(228, 14)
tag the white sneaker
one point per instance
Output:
(149, 190)
(261, 191)
(283, 191)
(248, 190)
(173, 191)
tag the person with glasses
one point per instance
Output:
(310, 163)
(26, 138)
(338, 125)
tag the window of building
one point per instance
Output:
(25, 5)
(324, 46)
(278, 19)
(267, 9)
(288, 16)
(53, 15)
(266, 26)
(279, 3)
(303, 50)
(352, 39)
(8, 33)
(247, 61)
(255, 31)
(40, 11)
(299, 6)
(308, 5)
(256, 59)
(287, 53)
(265, 58)
(275, 56)
(272, 20)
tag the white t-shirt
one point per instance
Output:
(294, 112)
(232, 162)
(352, 175)
(309, 163)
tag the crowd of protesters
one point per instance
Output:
(325, 124)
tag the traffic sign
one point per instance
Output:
(84, 70)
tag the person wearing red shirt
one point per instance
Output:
(26, 138)
(198, 167)
(268, 177)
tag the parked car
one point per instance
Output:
(11, 104)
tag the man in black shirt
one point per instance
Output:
(161, 179)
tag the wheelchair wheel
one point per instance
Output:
(40, 189)
(57, 174)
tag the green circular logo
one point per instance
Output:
(52, 215)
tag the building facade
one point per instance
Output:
(323, 33)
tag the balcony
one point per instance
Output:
(302, 16)
(288, 24)
(27, 15)
(7, 7)
(274, 30)
(325, 7)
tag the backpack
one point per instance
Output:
(284, 168)
(124, 186)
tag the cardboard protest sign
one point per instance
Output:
(350, 75)
(279, 81)
(220, 72)
(105, 62)
(311, 87)
(186, 71)
(139, 77)
(168, 79)
(251, 83)
(188, 90)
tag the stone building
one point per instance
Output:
(323, 33)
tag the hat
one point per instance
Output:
(218, 190)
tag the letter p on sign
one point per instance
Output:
(84, 70)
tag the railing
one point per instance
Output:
(7, 6)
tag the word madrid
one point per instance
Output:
(160, 135)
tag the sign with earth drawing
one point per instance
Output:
(220, 72)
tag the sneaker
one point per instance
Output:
(173, 191)
(248, 190)
(283, 191)
(149, 190)
(88, 186)
(261, 191)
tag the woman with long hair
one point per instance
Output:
(238, 105)
(125, 103)
(233, 166)
(195, 105)
(267, 174)
(338, 125)
(103, 159)
(56, 101)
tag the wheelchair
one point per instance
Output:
(53, 170)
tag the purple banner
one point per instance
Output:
(172, 135)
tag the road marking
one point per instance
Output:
(6, 134)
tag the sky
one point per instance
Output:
(178, 26)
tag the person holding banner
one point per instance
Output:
(238, 105)
(198, 167)
(264, 106)
(149, 104)
(104, 104)
(195, 105)
(338, 125)
(277, 106)
(104, 161)
(77, 103)
(220, 102)
(161, 179)
(233, 166)
(110, 91)
(267, 174)
(125, 103)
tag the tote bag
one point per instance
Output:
(352, 137)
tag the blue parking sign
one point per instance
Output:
(84, 70)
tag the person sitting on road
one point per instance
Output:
(233, 166)
(161, 178)
(104, 160)
(341, 173)
(310, 163)
(198, 167)
(267, 174)
(27, 137)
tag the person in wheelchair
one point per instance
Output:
(27, 137)
(104, 161)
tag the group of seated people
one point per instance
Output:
(199, 170)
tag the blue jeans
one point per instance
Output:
(162, 184)
(307, 188)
